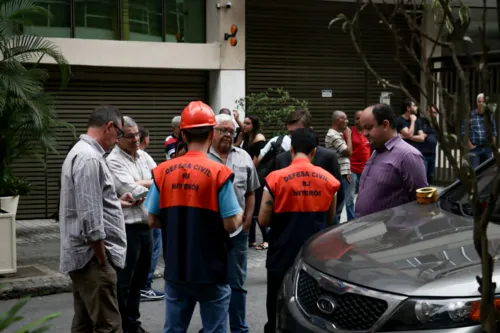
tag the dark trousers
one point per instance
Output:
(252, 235)
(135, 274)
(274, 281)
(95, 300)
(430, 166)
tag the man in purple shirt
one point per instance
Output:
(394, 171)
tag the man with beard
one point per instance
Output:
(394, 171)
(409, 126)
(245, 183)
(131, 170)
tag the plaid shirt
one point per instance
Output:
(477, 131)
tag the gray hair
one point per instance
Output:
(176, 121)
(481, 95)
(222, 118)
(337, 114)
(128, 122)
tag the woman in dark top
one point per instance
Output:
(252, 142)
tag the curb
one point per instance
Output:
(41, 286)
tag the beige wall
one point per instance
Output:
(215, 54)
(107, 53)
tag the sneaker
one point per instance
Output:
(151, 295)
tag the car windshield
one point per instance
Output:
(456, 199)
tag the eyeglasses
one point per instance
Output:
(131, 135)
(119, 131)
(225, 131)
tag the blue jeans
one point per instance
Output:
(349, 194)
(237, 257)
(154, 257)
(430, 166)
(181, 298)
(479, 154)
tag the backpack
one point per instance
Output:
(267, 164)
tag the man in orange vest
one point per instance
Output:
(192, 200)
(298, 201)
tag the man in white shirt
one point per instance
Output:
(245, 183)
(131, 170)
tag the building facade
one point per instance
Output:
(151, 57)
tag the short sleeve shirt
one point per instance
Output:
(245, 175)
(335, 141)
(402, 122)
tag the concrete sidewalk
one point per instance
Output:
(38, 262)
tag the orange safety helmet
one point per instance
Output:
(197, 114)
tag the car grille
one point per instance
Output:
(352, 312)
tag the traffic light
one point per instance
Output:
(232, 35)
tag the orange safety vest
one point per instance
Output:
(194, 238)
(302, 195)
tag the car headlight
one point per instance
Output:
(419, 314)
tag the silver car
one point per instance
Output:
(412, 268)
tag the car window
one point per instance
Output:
(456, 199)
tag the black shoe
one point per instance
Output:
(139, 329)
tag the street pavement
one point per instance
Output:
(38, 261)
(153, 313)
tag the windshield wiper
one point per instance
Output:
(459, 208)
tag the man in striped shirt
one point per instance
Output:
(93, 241)
(394, 171)
(343, 149)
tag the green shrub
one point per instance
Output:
(12, 316)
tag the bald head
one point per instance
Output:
(339, 120)
(337, 114)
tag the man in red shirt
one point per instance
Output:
(361, 152)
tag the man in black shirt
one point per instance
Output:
(409, 126)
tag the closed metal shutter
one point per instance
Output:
(151, 97)
(289, 45)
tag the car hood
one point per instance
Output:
(413, 250)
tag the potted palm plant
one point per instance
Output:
(28, 120)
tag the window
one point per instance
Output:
(58, 25)
(185, 21)
(96, 19)
(142, 20)
(174, 21)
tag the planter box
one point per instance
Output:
(8, 255)
(9, 204)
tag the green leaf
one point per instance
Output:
(37, 324)
(28, 120)
(272, 106)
